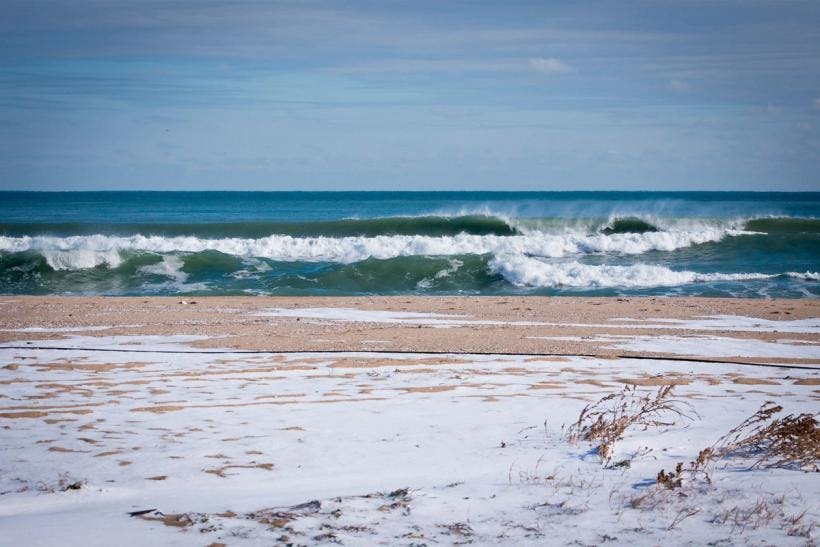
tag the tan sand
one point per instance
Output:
(233, 322)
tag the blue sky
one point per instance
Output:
(660, 94)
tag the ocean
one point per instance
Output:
(425, 243)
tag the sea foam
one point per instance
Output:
(79, 252)
(525, 271)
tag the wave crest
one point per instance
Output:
(78, 252)
(523, 271)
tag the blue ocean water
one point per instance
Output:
(347, 243)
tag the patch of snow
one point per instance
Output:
(466, 437)
(709, 323)
(712, 346)
(68, 329)
(380, 316)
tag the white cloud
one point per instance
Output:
(817, 103)
(550, 66)
(679, 86)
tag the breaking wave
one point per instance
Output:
(523, 271)
(79, 252)
(475, 252)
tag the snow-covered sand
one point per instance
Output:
(388, 317)
(365, 448)
(727, 323)
(707, 346)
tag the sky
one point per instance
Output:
(416, 95)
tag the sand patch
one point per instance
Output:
(26, 414)
(592, 383)
(220, 471)
(172, 408)
(394, 363)
(427, 389)
(46, 367)
(159, 409)
(62, 449)
(655, 381)
(807, 382)
(547, 385)
(108, 453)
(754, 381)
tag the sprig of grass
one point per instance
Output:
(606, 421)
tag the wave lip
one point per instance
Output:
(783, 225)
(627, 225)
(430, 225)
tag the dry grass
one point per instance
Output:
(606, 421)
(790, 442)
(671, 480)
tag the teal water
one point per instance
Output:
(346, 243)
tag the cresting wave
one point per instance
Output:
(523, 271)
(78, 252)
(429, 225)
(474, 253)
(473, 223)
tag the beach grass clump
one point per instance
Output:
(792, 441)
(606, 421)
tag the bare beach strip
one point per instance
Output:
(408, 420)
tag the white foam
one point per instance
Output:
(80, 259)
(525, 271)
(806, 276)
(77, 252)
(171, 266)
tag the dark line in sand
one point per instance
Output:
(418, 352)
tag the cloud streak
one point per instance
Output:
(428, 91)
(550, 66)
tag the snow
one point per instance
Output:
(382, 316)
(706, 346)
(78, 328)
(476, 439)
(737, 323)
(727, 323)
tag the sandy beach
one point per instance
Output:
(395, 420)
(522, 325)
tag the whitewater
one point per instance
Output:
(78, 252)
(426, 243)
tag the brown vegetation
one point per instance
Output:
(606, 421)
(791, 441)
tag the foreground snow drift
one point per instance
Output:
(375, 448)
